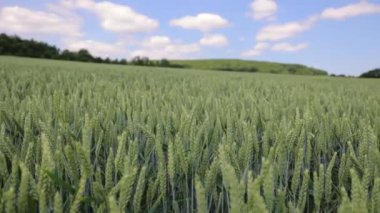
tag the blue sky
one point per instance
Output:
(340, 36)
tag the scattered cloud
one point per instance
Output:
(278, 32)
(257, 49)
(97, 48)
(214, 40)
(63, 21)
(204, 22)
(157, 47)
(278, 47)
(351, 10)
(157, 42)
(263, 9)
(287, 47)
(116, 17)
(23, 21)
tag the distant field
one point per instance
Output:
(249, 66)
(82, 137)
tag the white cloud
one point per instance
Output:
(214, 40)
(116, 17)
(157, 42)
(276, 32)
(257, 49)
(24, 21)
(97, 48)
(287, 47)
(263, 9)
(204, 22)
(351, 10)
(282, 31)
(157, 47)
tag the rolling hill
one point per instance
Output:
(16, 46)
(248, 66)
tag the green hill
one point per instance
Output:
(248, 66)
(16, 46)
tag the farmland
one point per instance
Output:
(82, 137)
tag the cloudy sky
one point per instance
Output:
(341, 36)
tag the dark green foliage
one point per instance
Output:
(16, 46)
(371, 74)
(237, 69)
(141, 61)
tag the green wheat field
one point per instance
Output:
(79, 137)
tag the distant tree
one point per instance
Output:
(141, 61)
(340, 75)
(115, 61)
(145, 61)
(292, 70)
(14, 45)
(84, 55)
(68, 55)
(251, 69)
(98, 60)
(136, 60)
(107, 60)
(164, 62)
(375, 73)
(123, 61)
(154, 63)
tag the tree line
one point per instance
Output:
(15, 46)
(375, 73)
